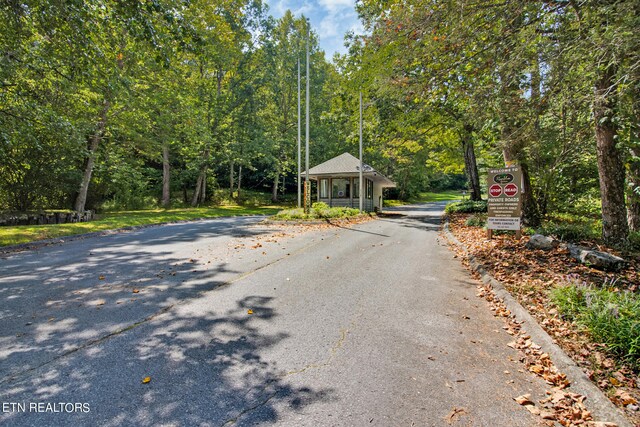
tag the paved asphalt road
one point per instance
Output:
(372, 325)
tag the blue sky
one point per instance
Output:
(331, 19)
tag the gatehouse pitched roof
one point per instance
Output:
(347, 165)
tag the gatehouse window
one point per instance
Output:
(324, 188)
(340, 188)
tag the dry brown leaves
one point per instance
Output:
(561, 406)
(529, 275)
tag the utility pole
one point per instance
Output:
(307, 189)
(299, 131)
(361, 162)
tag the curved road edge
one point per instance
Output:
(37, 244)
(597, 402)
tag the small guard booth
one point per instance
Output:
(338, 183)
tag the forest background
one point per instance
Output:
(127, 105)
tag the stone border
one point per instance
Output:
(601, 407)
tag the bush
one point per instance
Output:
(476, 220)
(611, 316)
(570, 231)
(318, 211)
(634, 240)
(467, 206)
(319, 207)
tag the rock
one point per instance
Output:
(596, 259)
(538, 241)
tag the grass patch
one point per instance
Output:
(318, 210)
(115, 220)
(467, 206)
(610, 315)
(476, 220)
(427, 197)
(444, 196)
(571, 227)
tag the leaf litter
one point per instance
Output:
(529, 275)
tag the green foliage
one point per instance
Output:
(319, 207)
(426, 197)
(611, 316)
(476, 220)
(467, 206)
(319, 210)
(634, 240)
(208, 90)
(571, 228)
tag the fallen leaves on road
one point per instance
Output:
(563, 406)
(146, 380)
(525, 399)
(455, 414)
(529, 275)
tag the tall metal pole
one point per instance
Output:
(299, 132)
(306, 154)
(361, 162)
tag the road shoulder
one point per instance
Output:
(597, 402)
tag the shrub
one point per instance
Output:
(467, 206)
(318, 211)
(318, 208)
(611, 316)
(476, 220)
(289, 214)
(634, 240)
(570, 231)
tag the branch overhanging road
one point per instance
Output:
(376, 324)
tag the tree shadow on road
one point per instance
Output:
(206, 368)
(52, 305)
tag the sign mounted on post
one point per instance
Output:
(504, 200)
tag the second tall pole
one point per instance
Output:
(307, 189)
(361, 162)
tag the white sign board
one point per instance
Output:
(504, 203)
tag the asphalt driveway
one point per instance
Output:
(238, 323)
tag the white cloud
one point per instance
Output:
(336, 5)
(277, 8)
(331, 19)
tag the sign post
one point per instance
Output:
(504, 201)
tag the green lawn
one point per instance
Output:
(115, 220)
(428, 196)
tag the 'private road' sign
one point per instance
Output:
(504, 198)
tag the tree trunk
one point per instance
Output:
(166, 177)
(203, 192)
(633, 190)
(610, 165)
(81, 198)
(200, 194)
(274, 188)
(239, 179)
(470, 164)
(231, 180)
(196, 194)
(530, 214)
(513, 144)
(633, 166)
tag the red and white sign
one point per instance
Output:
(504, 201)
(510, 190)
(495, 190)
